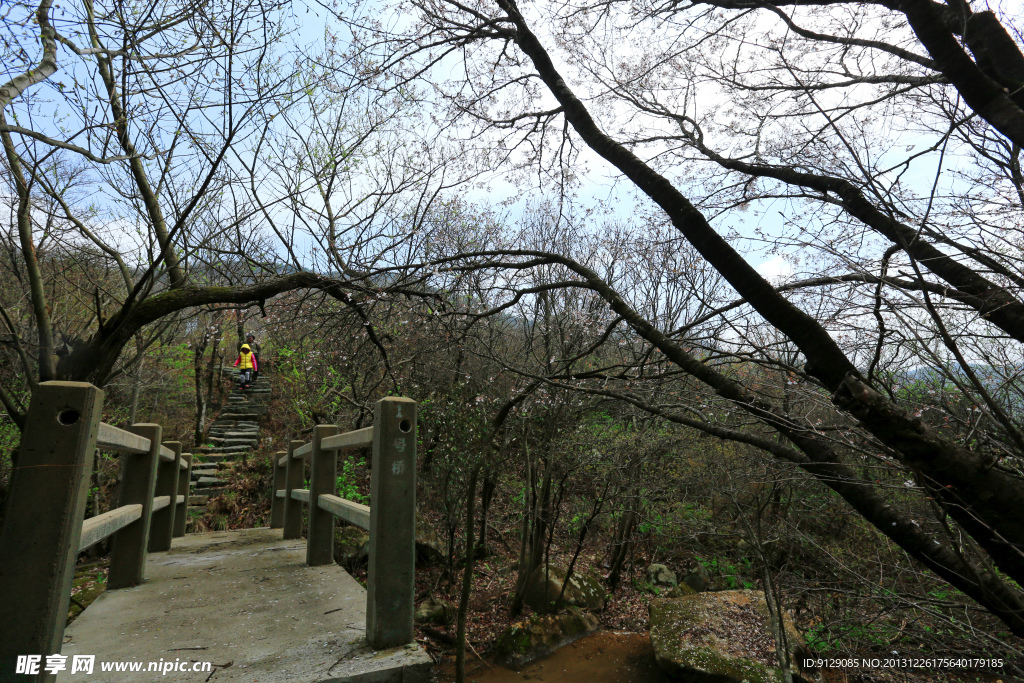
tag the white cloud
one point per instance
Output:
(776, 270)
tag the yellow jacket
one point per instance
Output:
(246, 359)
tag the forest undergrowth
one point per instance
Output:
(611, 496)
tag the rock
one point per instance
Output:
(545, 586)
(660, 575)
(680, 591)
(351, 546)
(722, 637)
(429, 548)
(541, 635)
(698, 579)
(434, 611)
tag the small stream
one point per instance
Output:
(602, 657)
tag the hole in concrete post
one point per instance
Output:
(68, 416)
(405, 426)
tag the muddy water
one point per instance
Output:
(603, 657)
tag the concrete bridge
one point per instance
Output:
(256, 605)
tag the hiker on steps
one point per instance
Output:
(247, 364)
(250, 339)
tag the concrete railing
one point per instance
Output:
(390, 517)
(43, 527)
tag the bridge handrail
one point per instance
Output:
(95, 529)
(347, 510)
(357, 438)
(390, 518)
(111, 438)
(44, 527)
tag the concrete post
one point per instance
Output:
(184, 481)
(138, 481)
(295, 471)
(43, 523)
(277, 504)
(323, 478)
(161, 528)
(390, 589)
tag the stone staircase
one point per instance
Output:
(232, 436)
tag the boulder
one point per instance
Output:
(662, 576)
(545, 585)
(680, 591)
(698, 579)
(435, 611)
(351, 545)
(429, 547)
(541, 635)
(722, 637)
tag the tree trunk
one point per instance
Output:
(486, 494)
(240, 325)
(624, 530)
(467, 582)
(198, 353)
(214, 352)
(620, 548)
(136, 387)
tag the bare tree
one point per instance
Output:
(149, 150)
(802, 108)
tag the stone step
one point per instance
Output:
(248, 415)
(235, 434)
(197, 508)
(198, 500)
(223, 461)
(226, 439)
(211, 482)
(228, 451)
(207, 491)
(246, 440)
(234, 428)
(234, 443)
(230, 410)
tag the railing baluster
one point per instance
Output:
(276, 503)
(295, 470)
(390, 589)
(181, 512)
(161, 528)
(323, 478)
(43, 523)
(138, 481)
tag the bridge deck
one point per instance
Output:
(243, 598)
